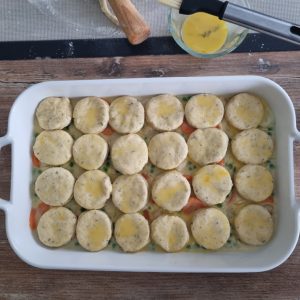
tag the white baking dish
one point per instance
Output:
(262, 258)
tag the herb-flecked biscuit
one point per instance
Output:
(92, 189)
(210, 228)
(167, 150)
(171, 191)
(126, 115)
(254, 182)
(204, 110)
(54, 113)
(132, 232)
(244, 111)
(211, 184)
(93, 230)
(91, 115)
(56, 227)
(252, 146)
(164, 112)
(55, 186)
(170, 233)
(254, 225)
(53, 147)
(130, 193)
(129, 154)
(207, 145)
(90, 151)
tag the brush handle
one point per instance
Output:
(131, 21)
(260, 22)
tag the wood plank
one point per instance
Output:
(20, 281)
(280, 64)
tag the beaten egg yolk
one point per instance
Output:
(204, 33)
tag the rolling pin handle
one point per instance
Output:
(131, 21)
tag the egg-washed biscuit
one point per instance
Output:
(130, 193)
(56, 227)
(254, 225)
(92, 189)
(167, 150)
(126, 115)
(132, 232)
(210, 228)
(204, 110)
(252, 146)
(90, 151)
(244, 111)
(91, 115)
(171, 191)
(170, 233)
(54, 113)
(129, 154)
(53, 147)
(93, 230)
(211, 184)
(254, 183)
(164, 112)
(55, 186)
(207, 145)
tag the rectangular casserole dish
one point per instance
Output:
(263, 258)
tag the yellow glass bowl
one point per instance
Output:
(236, 34)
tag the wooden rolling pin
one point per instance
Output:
(131, 21)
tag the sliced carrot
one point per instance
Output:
(108, 131)
(268, 201)
(145, 176)
(221, 162)
(186, 128)
(32, 219)
(36, 163)
(193, 205)
(233, 197)
(188, 177)
(152, 201)
(146, 214)
(42, 208)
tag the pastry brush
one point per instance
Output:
(239, 15)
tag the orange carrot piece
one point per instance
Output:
(188, 177)
(108, 131)
(268, 201)
(186, 128)
(146, 215)
(36, 163)
(233, 197)
(152, 201)
(42, 208)
(32, 219)
(145, 176)
(193, 205)
(221, 162)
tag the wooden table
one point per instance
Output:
(20, 281)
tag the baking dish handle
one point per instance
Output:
(297, 139)
(4, 140)
(297, 136)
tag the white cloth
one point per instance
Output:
(23, 20)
